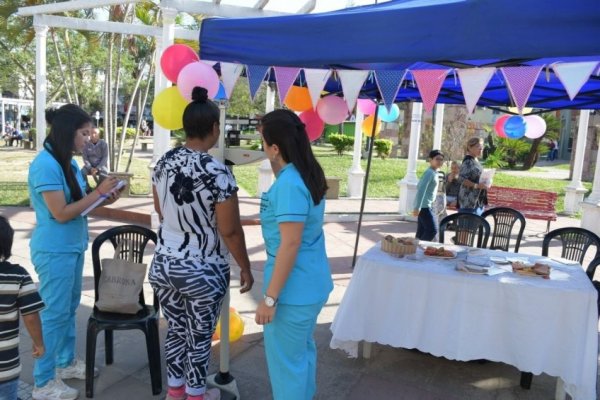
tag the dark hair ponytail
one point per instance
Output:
(287, 131)
(200, 115)
(60, 142)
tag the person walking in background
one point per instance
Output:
(426, 191)
(58, 244)
(553, 149)
(95, 157)
(297, 278)
(472, 196)
(453, 185)
(195, 196)
(18, 295)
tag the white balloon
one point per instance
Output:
(536, 126)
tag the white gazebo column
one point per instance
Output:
(265, 173)
(575, 190)
(40, 85)
(356, 175)
(439, 124)
(3, 116)
(408, 185)
(591, 205)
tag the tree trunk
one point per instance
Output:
(531, 158)
(70, 65)
(60, 65)
(108, 103)
(141, 106)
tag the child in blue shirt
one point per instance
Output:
(426, 190)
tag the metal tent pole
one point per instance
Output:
(364, 193)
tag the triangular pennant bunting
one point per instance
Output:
(473, 82)
(230, 73)
(285, 79)
(315, 80)
(520, 82)
(389, 82)
(256, 74)
(574, 75)
(429, 83)
(352, 82)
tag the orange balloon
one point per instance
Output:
(236, 326)
(298, 99)
(367, 126)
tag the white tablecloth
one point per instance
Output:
(537, 325)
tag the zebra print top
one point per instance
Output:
(189, 183)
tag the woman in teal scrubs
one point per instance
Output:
(58, 244)
(297, 279)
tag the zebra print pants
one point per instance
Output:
(190, 294)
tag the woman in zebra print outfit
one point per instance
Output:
(196, 199)
(297, 279)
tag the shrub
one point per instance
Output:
(383, 147)
(514, 150)
(129, 132)
(341, 143)
(495, 159)
(255, 145)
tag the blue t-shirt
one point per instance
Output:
(289, 200)
(46, 175)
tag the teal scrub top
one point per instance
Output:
(289, 200)
(49, 235)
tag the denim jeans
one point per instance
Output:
(426, 225)
(8, 390)
(60, 277)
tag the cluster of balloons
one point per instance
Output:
(181, 65)
(236, 326)
(517, 126)
(368, 107)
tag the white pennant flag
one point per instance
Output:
(230, 73)
(574, 75)
(316, 80)
(352, 81)
(473, 82)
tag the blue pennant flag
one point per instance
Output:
(389, 82)
(256, 74)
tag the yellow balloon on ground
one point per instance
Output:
(236, 326)
(298, 99)
(367, 126)
(168, 107)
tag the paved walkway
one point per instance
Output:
(390, 374)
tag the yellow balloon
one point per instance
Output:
(236, 326)
(367, 126)
(168, 107)
(526, 110)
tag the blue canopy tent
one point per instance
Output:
(425, 34)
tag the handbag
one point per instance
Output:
(121, 282)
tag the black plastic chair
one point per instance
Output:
(575, 243)
(467, 227)
(504, 221)
(591, 270)
(135, 240)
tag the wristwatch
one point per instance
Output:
(270, 301)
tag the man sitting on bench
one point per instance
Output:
(95, 158)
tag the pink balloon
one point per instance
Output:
(314, 124)
(198, 74)
(499, 125)
(174, 58)
(366, 106)
(332, 110)
(536, 126)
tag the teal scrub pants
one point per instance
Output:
(60, 277)
(291, 351)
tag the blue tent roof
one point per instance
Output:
(423, 34)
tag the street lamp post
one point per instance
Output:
(97, 116)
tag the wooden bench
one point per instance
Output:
(534, 204)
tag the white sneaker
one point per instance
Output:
(54, 390)
(212, 394)
(74, 371)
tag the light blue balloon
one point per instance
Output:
(388, 116)
(221, 93)
(515, 127)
